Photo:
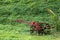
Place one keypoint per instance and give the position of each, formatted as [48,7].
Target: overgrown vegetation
[30,10]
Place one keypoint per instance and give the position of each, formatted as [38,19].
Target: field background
[30,10]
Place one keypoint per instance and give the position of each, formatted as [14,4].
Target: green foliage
[31,10]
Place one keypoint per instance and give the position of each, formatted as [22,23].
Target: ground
[9,32]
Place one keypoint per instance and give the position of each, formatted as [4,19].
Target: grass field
[10,32]
[30,10]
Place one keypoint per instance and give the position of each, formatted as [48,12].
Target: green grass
[31,10]
[10,32]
